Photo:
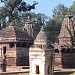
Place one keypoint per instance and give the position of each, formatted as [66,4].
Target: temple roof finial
[11,23]
[28,17]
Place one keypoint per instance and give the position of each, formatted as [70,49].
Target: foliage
[10,11]
[54,24]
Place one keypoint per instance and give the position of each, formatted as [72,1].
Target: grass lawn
[65,73]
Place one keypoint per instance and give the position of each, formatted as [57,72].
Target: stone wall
[9,52]
[65,59]
[22,58]
[11,61]
[57,62]
[15,56]
[68,60]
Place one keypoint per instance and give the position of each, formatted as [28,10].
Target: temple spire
[28,26]
[41,37]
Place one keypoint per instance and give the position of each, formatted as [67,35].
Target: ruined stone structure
[14,44]
[65,50]
[41,55]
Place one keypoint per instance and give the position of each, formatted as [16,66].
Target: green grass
[65,73]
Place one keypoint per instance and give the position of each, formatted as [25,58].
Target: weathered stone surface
[13,33]
[22,57]
[67,30]
[68,60]
[29,27]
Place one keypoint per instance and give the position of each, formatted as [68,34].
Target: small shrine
[41,56]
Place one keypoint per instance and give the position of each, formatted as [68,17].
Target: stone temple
[65,49]
[14,43]
[19,48]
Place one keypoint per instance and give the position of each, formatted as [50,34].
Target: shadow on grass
[64,73]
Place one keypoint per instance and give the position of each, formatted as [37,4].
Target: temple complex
[19,48]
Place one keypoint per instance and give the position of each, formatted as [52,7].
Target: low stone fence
[17,68]
[15,73]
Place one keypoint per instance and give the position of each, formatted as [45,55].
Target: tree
[59,12]
[54,24]
[38,21]
[52,30]
[72,8]
[2,17]
[11,11]
[9,6]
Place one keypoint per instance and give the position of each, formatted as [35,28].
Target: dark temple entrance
[37,69]
[4,50]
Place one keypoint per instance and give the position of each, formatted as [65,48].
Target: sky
[46,6]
